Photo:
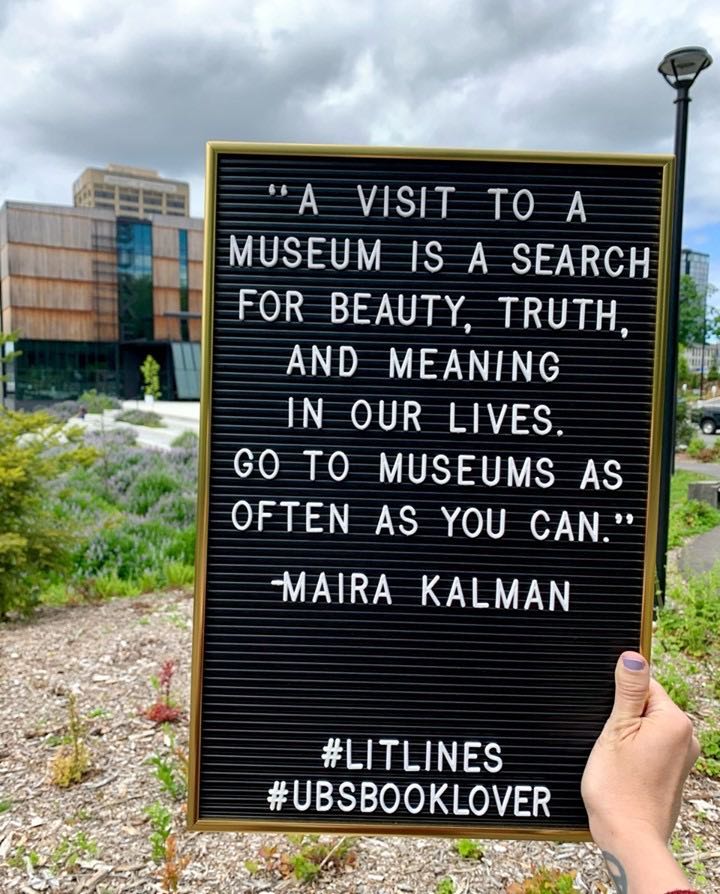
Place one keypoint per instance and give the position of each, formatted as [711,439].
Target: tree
[150,370]
[35,450]
[691,327]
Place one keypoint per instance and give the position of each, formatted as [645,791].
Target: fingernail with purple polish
[634,664]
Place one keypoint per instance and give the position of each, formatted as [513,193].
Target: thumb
[632,685]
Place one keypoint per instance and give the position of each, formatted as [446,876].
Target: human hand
[632,785]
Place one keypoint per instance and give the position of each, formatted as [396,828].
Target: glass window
[183,266]
[63,370]
[135,288]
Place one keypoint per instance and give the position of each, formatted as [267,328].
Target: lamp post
[680,68]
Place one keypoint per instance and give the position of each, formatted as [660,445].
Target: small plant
[674,681]
[171,771]
[469,849]
[544,881]
[163,710]
[72,761]
[173,865]
[310,857]
[690,622]
[160,824]
[5,805]
[70,850]
[150,370]
[141,417]
[709,763]
[178,575]
[22,858]
[445,886]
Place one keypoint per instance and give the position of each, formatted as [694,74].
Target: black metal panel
[282,678]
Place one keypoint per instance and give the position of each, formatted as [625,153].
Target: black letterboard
[428,489]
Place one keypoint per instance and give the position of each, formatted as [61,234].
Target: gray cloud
[148,84]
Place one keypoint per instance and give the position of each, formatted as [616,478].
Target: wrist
[640,862]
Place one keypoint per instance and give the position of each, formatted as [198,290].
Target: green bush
[128,547]
[64,410]
[96,402]
[35,450]
[684,429]
[141,417]
[688,518]
[186,440]
[147,489]
[695,446]
[690,621]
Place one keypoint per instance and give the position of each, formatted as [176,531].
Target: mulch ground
[95,836]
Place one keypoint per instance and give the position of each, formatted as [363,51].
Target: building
[92,293]
[699,359]
[696,265]
[131,192]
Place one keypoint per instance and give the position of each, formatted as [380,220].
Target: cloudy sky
[148,83]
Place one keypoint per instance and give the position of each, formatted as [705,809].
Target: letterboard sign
[428,482]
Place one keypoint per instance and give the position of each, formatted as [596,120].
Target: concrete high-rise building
[131,192]
[92,293]
[696,265]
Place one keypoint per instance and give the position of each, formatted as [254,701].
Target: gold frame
[214,149]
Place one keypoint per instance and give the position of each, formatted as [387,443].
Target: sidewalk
[710,470]
[702,553]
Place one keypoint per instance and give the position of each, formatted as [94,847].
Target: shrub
[684,429]
[695,446]
[690,621]
[147,489]
[141,417]
[64,410]
[187,440]
[96,402]
[35,450]
[690,517]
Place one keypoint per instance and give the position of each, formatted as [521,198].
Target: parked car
[707,417]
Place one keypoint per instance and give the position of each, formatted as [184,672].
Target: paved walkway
[177,417]
[711,470]
[702,553]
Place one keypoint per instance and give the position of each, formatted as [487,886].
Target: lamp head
[681,67]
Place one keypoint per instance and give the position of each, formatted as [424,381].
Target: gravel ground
[95,836]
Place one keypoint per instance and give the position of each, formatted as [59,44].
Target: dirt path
[95,836]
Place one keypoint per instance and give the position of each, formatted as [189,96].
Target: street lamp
[680,68]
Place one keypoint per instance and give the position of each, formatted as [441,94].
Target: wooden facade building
[91,294]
